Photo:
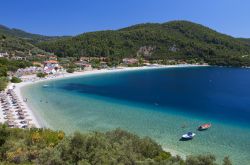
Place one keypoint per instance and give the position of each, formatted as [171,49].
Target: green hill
[32,38]
[18,46]
[245,39]
[15,41]
[175,40]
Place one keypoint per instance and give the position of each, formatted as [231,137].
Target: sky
[72,17]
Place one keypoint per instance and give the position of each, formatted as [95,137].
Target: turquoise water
[147,103]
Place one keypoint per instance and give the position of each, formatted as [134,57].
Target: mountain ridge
[30,37]
[174,40]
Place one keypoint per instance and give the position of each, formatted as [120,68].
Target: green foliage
[4,134]
[13,65]
[70,70]
[226,161]
[3,71]
[44,146]
[201,160]
[3,83]
[41,75]
[10,65]
[33,38]
[18,42]
[15,80]
[176,40]
[95,63]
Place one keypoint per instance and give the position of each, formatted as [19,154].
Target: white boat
[45,86]
[188,135]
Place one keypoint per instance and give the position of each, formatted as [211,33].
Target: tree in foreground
[15,80]
[44,146]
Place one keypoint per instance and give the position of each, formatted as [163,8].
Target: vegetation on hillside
[15,80]
[10,65]
[176,40]
[33,38]
[18,42]
[3,83]
[17,46]
[41,75]
[43,146]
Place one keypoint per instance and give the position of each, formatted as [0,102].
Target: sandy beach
[31,79]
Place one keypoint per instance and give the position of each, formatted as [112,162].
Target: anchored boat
[188,136]
[204,127]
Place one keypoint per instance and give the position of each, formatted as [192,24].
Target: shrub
[226,161]
[15,80]
[201,160]
[3,83]
[41,75]
[44,146]
[70,70]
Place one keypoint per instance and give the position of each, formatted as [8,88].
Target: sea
[161,103]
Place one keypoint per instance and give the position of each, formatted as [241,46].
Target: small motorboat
[204,127]
[188,136]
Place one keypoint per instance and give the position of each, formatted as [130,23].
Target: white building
[4,54]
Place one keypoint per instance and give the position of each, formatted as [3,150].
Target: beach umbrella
[9,113]
[20,113]
[28,120]
[10,118]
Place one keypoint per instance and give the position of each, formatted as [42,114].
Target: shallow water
[160,103]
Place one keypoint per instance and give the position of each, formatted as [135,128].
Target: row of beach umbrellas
[11,107]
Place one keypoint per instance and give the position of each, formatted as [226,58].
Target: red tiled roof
[51,61]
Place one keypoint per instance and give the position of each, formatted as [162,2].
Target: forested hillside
[32,38]
[175,40]
[168,41]
[14,45]
[18,42]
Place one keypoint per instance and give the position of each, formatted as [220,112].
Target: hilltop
[32,38]
[175,40]
[170,41]
[18,42]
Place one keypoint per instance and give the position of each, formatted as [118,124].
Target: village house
[130,61]
[37,64]
[84,65]
[18,58]
[103,65]
[41,56]
[4,54]
[88,59]
[28,71]
[52,57]
[51,66]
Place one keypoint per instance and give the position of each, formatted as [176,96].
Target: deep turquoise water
[155,103]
